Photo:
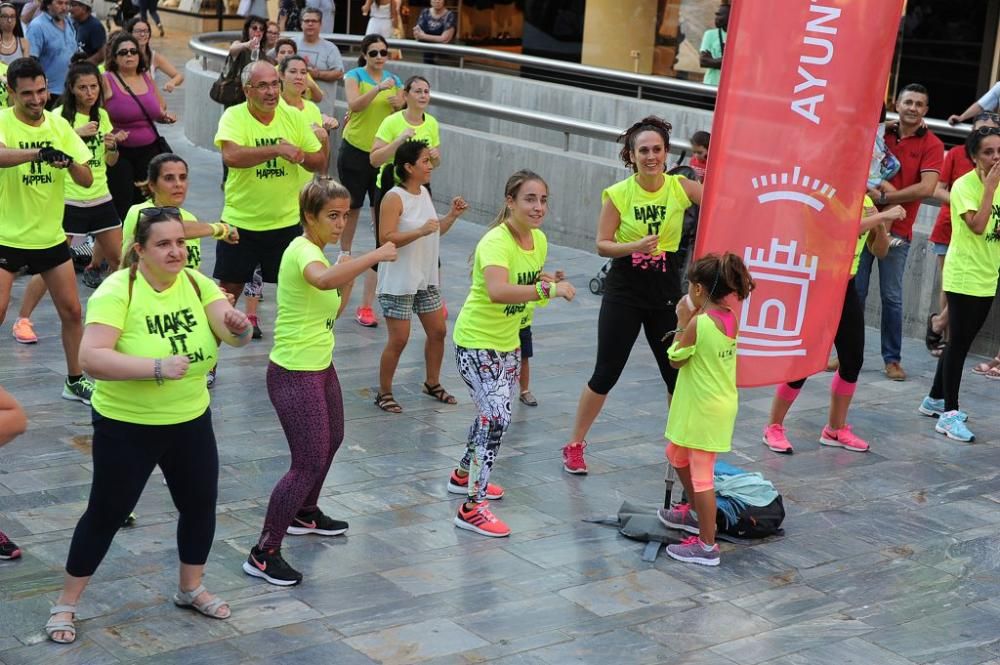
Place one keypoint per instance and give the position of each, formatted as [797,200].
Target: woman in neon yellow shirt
[969,279]
[372,94]
[150,338]
[703,411]
[301,380]
[639,230]
[506,276]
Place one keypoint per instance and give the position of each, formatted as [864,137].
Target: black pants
[132,167]
[618,327]
[966,315]
[850,338]
[124,457]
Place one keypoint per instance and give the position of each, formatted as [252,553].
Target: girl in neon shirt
[151,335]
[506,276]
[703,411]
[640,230]
[301,380]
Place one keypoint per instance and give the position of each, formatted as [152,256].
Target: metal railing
[676,90]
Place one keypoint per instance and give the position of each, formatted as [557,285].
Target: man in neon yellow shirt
[263,144]
[37,151]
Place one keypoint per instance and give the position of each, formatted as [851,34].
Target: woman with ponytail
[703,412]
[410,284]
[506,276]
[639,230]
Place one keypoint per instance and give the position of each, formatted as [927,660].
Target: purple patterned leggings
[311,410]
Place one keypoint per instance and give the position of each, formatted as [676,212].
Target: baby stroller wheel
[596,286]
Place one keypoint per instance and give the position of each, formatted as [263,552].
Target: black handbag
[161,143]
[228,88]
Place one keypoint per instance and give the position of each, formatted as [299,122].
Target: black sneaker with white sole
[316,522]
[270,566]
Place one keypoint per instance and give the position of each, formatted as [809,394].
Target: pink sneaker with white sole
[775,439]
[843,438]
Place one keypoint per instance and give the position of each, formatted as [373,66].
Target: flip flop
[932,340]
[983,369]
[993,374]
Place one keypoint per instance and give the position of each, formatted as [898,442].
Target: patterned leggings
[311,410]
[255,287]
[492,378]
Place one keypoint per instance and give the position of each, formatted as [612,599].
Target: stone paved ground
[889,559]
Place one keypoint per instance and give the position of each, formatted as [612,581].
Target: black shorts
[235,263]
[78,221]
[527,348]
[37,261]
[357,174]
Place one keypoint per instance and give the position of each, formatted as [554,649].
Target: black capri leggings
[132,167]
[617,329]
[124,457]
[850,339]
[966,315]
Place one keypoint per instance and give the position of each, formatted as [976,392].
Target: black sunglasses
[382,52]
[168,211]
[988,131]
[127,51]
[986,115]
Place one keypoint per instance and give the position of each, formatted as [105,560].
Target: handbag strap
[141,107]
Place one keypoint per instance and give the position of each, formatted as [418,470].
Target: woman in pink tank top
[134,103]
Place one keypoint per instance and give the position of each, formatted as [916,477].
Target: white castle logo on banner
[793,187]
[771,320]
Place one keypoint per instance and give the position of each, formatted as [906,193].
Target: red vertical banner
[802,85]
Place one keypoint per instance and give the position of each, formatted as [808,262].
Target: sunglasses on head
[988,131]
[378,52]
[986,115]
[168,211]
[127,51]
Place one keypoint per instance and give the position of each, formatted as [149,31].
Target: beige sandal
[985,368]
[186,599]
[53,625]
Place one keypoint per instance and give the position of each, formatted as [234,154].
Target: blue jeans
[890,280]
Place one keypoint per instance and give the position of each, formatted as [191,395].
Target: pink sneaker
[843,438]
[775,439]
[573,461]
[460,485]
[366,317]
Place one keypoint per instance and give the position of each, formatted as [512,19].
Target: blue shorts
[939,248]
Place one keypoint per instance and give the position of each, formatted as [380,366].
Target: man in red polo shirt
[920,155]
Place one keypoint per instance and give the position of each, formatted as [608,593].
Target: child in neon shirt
[703,411]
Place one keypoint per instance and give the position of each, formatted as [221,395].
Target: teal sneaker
[953,426]
[935,407]
[81,391]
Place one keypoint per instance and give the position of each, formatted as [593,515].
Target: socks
[73,378]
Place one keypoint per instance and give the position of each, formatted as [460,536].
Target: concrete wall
[480,153]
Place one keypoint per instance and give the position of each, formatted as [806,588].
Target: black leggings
[850,339]
[966,315]
[132,167]
[617,329]
[124,457]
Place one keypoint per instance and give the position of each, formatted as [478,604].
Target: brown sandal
[439,393]
[387,403]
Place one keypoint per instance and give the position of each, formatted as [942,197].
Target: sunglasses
[987,131]
[168,211]
[986,115]
[378,52]
[127,51]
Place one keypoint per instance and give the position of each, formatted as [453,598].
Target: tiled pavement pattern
[890,558]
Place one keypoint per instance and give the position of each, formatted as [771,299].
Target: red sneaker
[573,461]
[481,520]
[460,485]
[366,317]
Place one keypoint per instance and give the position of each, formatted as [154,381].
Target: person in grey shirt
[323,58]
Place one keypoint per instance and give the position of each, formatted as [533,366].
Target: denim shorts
[939,248]
[403,307]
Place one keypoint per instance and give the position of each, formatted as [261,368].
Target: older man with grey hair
[264,144]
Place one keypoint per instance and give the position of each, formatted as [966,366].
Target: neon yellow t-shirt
[128,233]
[303,332]
[862,239]
[971,265]
[703,409]
[482,323]
[32,194]
[646,213]
[3,85]
[95,143]
[266,196]
[362,125]
[396,124]
[156,325]
[312,115]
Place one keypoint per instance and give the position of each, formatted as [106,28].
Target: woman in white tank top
[382,16]
[410,284]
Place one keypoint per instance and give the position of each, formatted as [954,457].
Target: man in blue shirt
[53,42]
[90,34]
